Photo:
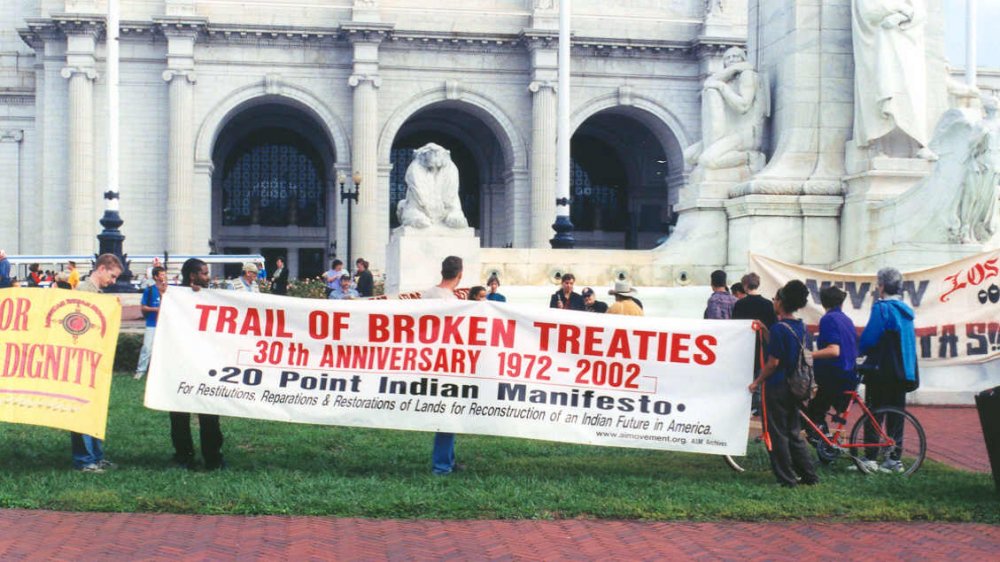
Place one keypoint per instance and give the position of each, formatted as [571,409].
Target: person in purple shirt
[720,303]
[834,361]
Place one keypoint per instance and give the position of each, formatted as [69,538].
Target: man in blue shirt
[150,305]
[834,362]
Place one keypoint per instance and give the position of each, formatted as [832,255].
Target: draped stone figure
[890,75]
[431,191]
[977,208]
[958,202]
[735,103]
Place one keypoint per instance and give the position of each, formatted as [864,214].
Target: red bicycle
[887,440]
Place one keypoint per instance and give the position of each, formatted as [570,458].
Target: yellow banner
[57,349]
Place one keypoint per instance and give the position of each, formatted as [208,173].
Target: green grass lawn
[279,468]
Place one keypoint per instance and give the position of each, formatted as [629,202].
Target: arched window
[273,178]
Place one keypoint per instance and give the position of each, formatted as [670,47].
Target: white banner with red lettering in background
[956,305]
[456,366]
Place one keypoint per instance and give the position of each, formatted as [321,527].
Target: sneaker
[869,466]
[138,376]
[106,465]
[92,467]
[892,466]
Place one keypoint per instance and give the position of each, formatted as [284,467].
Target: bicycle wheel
[756,458]
[904,457]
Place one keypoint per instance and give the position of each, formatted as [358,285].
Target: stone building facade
[238,118]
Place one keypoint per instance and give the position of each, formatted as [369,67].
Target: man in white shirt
[248,281]
[443,457]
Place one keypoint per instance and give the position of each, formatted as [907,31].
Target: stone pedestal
[883,179]
[698,244]
[415,256]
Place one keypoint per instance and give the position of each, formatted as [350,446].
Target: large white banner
[456,366]
[956,305]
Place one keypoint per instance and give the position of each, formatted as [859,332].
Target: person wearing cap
[248,281]
[720,303]
[5,280]
[565,298]
[624,303]
[493,284]
[590,302]
[344,289]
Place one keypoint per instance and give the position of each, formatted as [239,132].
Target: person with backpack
[781,377]
[890,345]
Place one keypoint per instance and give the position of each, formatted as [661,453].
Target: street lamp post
[349,195]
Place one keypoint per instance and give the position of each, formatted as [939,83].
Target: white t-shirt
[436,292]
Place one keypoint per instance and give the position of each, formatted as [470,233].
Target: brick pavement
[954,436]
[45,535]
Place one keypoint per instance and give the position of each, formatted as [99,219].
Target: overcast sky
[987,33]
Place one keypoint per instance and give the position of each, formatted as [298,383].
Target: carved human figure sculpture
[735,103]
[431,191]
[977,208]
[890,73]
[957,202]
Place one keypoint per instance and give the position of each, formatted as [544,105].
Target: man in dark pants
[279,278]
[194,274]
[889,313]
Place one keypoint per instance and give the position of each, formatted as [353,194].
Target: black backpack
[800,380]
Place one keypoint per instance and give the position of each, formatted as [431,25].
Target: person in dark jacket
[279,278]
[365,284]
[590,302]
[790,459]
[565,298]
[889,313]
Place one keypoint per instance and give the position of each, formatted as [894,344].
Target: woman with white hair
[890,343]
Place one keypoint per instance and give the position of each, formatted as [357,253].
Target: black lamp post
[349,195]
[111,241]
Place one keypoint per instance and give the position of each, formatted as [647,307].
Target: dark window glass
[273,179]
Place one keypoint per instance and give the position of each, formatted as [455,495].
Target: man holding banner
[88,451]
[443,456]
[195,275]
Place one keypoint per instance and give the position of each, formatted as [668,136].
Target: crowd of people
[782,340]
[835,362]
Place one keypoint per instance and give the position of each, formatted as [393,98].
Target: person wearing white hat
[248,281]
[624,303]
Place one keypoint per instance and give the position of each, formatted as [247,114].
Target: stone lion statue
[431,191]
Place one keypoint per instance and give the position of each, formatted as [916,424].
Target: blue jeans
[443,456]
[86,449]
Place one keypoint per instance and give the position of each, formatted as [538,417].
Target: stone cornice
[47,29]
[17,97]
[706,46]
[180,26]
[79,24]
[366,32]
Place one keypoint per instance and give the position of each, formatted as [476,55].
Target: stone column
[10,190]
[366,239]
[541,41]
[81,196]
[182,28]
[180,161]
[543,162]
